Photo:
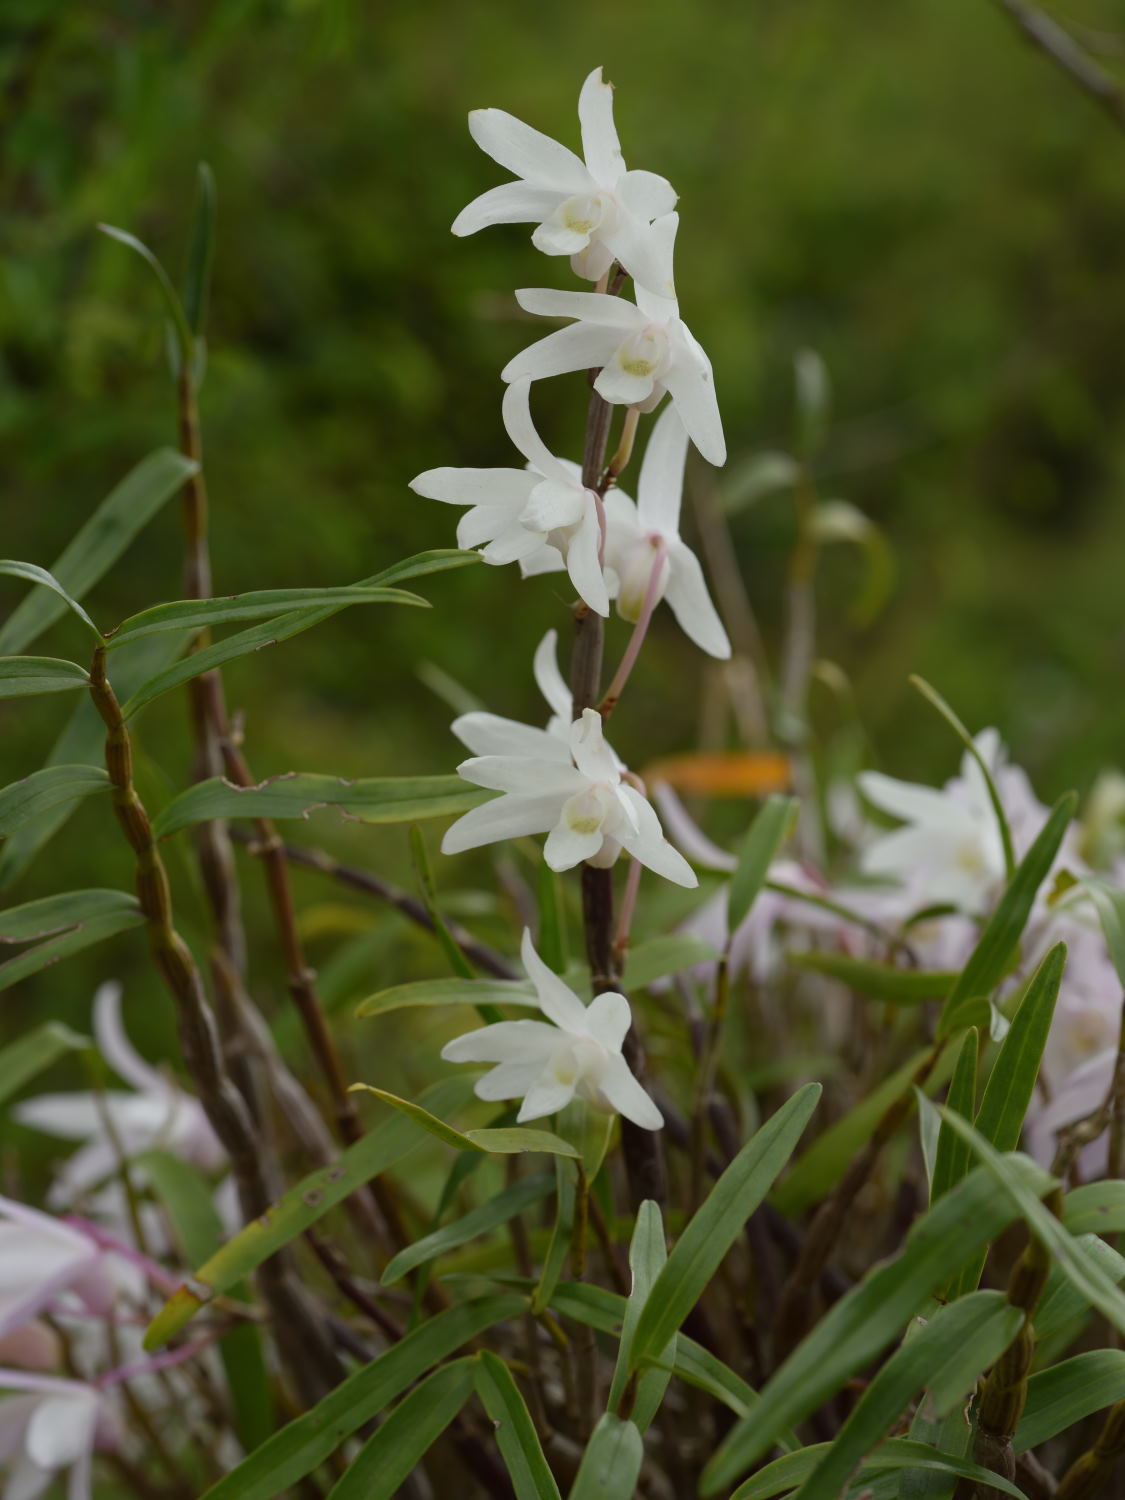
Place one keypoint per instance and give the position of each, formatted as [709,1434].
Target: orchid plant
[206,1297]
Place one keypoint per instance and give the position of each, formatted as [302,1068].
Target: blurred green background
[907,188]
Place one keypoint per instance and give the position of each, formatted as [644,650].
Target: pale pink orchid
[575,1052]
[157,1113]
[50,1427]
[47,1264]
[594,210]
[574,792]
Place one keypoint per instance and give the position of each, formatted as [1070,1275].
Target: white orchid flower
[594,210]
[43,1259]
[641,351]
[52,1426]
[515,513]
[575,794]
[576,1051]
[492,734]
[643,546]
[158,1113]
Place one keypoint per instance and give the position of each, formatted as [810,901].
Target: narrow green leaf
[1066,1394]
[24,676]
[895,1454]
[759,848]
[1080,1269]
[661,956]
[506,1141]
[931,694]
[425,993]
[53,786]
[188,1198]
[294,1212]
[562,1233]
[377,799]
[407,1435]
[304,1444]
[874,1313]
[515,1432]
[884,982]
[953,1155]
[648,1255]
[1000,938]
[34,574]
[611,1463]
[22,1060]
[524,1192]
[717,1224]
[946,1353]
[1062,1307]
[197,280]
[200,614]
[51,914]
[1096,1208]
[172,305]
[1011,1083]
[99,542]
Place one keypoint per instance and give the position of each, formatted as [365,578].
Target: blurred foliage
[908,189]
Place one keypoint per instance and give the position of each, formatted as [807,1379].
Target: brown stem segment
[299,1331]
[1088,1477]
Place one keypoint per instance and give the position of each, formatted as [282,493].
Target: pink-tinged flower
[594,210]
[576,1051]
[646,535]
[515,514]
[1078,1095]
[575,793]
[157,1114]
[51,1427]
[43,1260]
[641,351]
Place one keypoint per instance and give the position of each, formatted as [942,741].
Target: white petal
[692,387]
[26,1480]
[661,484]
[507,817]
[655,294]
[71,1117]
[687,834]
[508,1080]
[906,799]
[80,1485]
[644,255]
[516,773]
[608,1019]
[489,734]
[625,1094]
[545,560]
[516,411]
[527,152]
[584,346]
[555,238]
[646,195]
[505,1042]
[600,144]
[87,1167]
[592,755]
[619,387]
[567,847]
[687,597]
[115,1046]
[548,678]
[555,505]
[15,1413]
[545,1098]
[583,565]
[510,203]
[483,523]
[590,307]
[61,1427]
[649,844]
[474,486]
[558,1002]
[513,544]
[592,263]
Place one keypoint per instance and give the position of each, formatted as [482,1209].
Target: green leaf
[54,786]
[1067,1393]
[1011,1083]
[814,401]
[515,1432]
[301,1446]
[293,1213]
[507,1141]
[200,614]
[648,1254]
[947,1354]
[188,1198]
[100,541]
[437,560]
[931,694]
[953,1155]
[1096,1208]
[391,1454]
[438,992]
[871,1315]
[759,848]
[717,1224]
[895,1454]
[24,676]
[524,1192]
[1109,903]
[1000,939]
[22,1060]
[562,1234]
[247,641]
[197,280]
[377,799]
[1080,1269]
[611,1463]
[1061,1308]
[885,982]
[68,924]
[661,956]
[34,574]
[172,305]
[43,955]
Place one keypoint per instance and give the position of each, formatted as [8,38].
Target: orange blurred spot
[743,773]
